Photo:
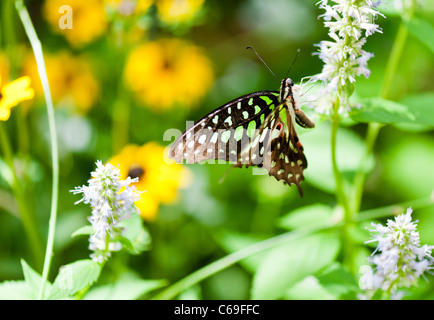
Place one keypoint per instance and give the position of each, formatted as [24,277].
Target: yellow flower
[4,67]
[128,7]
[167,72]
[70,78]
[88,19]
[13,93]
[159,179]
[178,11]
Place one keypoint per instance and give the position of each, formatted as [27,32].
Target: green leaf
[316,214]
[127,287]
[136,238]
[231,242]
[287,264]
[422,30]
[15,290]
[85,230]
[34,280]
[67,223]
[382,111]
[309,289]
[338,281]
[421,106]
[74,277]
[350,150]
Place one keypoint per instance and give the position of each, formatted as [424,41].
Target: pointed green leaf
[308,289]
[338,281]
[231,242]
[382,111]
[85,230]
[422,30]
[34,280]
[421,106]
[128,287]
[74,277]
[316,214]
[15,290]
[136,238]
[288,264]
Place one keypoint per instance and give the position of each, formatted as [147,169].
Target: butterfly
[256,129]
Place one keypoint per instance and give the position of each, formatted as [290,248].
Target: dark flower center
[136,172]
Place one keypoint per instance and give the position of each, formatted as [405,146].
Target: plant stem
[374,128]
[26,215]
[231,259]
[121,105]
[340,192]
[348,247]
[360,176]
[395,209]
[37,50]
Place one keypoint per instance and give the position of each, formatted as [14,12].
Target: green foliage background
[213,218]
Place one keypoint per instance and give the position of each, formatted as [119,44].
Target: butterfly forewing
[276,147]
[223,133]
[257,129]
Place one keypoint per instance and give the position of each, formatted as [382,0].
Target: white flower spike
[349,22]
[401,259]
[112,200]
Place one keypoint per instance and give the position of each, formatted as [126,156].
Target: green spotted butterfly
[257,129]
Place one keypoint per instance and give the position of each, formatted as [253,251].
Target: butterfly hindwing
[222,133]
[276,147]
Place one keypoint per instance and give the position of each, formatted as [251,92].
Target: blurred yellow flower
[167,72]
[71,79]
[13,93]
[88,19]
[128,7]
[178,11]
[159,179]
[4,67]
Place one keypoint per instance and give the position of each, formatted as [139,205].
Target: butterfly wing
[222,133]
[277,148]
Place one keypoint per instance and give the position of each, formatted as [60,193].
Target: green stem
[37,50]
[227,261]
[360,176]
[340,192]
[348,247]
[26,215]
[395,209]
[374,128]
[121,106]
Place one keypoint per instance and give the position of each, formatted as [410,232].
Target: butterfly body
[257,129]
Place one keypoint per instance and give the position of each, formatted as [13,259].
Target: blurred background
[127,72]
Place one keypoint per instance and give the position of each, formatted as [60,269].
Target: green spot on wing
[266,99]
[251,128]
[238,134]
[225,136]
[257,109]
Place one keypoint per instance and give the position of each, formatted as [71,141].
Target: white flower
[112,200]
[401,259]
[350,22]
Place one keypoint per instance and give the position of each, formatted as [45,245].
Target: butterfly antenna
[248,47]
[293,62]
